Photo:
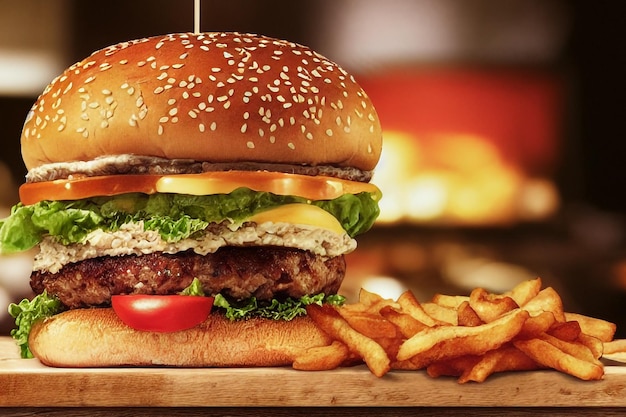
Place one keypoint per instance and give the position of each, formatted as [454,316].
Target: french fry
[369,324]
[443,314]
[525,291]
[322,358]
[409,304]
[550,356]
[592,326]
[546,300]
[568,331]
[594,344]
[469,338]
[578,350]
[614,346]
[452,341]
[449,301]
[537,325]
[329,320]
[466,316]
[489,307]
[452,367]
[405,323]
[505,358]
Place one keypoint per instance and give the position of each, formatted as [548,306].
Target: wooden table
[29,388]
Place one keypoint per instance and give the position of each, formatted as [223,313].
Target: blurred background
[503,126]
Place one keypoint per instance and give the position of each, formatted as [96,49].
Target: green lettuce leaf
[174,216]
[194,289]
[287,309]
[28,312]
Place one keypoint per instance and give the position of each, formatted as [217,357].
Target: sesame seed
[213,126]
[329,132]
[250,145]
[244,127]
[290,145]
[164,119]
[201,127]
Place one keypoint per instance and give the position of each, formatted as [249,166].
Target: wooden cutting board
[28,383]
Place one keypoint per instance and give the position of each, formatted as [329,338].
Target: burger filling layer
[134,239]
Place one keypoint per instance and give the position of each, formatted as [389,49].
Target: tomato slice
[311,187]
[161,313]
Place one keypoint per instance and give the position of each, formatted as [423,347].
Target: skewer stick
[196,16]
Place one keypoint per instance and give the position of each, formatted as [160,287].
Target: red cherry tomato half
[161,313]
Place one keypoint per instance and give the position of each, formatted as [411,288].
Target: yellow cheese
[311,187]
[300,214]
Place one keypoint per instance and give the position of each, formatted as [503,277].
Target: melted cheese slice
[305,214]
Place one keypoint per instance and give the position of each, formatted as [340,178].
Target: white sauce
[132,239]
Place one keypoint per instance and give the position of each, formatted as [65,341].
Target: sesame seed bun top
[219,97]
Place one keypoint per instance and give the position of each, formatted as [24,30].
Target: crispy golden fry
[505,358]
[453,341]
[594,344]
[615,346]
[371,325]
[467,337]
[568,331]
[578,350]
[449,301]
[592,326]
[537,325]
[466,316]
[322,358]
[452,367]
[442,314]
[329,320]
[369,301]
[376,327]
[546,300]
[550,356]
[490,307]
[405,323]
[409,304]
[525,291]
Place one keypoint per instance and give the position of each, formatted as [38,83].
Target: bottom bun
[98,338]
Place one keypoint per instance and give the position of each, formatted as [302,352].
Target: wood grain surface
[25,384]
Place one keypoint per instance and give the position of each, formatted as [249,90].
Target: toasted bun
[218,97]
[97,338]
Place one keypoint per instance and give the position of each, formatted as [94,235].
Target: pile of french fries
[468,337]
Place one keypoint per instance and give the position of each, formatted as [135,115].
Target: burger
[189,195]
